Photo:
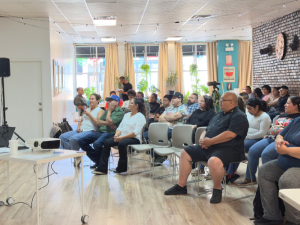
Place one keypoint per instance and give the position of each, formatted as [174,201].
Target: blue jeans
[264,149]
[97,139]
[70,139]
[233,166]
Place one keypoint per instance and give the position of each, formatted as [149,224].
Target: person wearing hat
[174,116]
[279,107]
[106,99]
[108,122]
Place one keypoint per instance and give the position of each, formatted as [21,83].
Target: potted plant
[118,83]
[171,81]
[143,84]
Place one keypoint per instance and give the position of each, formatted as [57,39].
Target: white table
[38,157]
[291,196]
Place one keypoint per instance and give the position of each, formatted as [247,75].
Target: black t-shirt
[126,87]
[281,102]
[201,118]
[153,106]
[160,110]
[235,121]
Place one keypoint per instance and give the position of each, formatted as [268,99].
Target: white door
[23,98]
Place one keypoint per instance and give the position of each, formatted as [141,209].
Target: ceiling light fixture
[240,14]
[175,38]
[108,39]
[284,5]
[105,21]
[203,17]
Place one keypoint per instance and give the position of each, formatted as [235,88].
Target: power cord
[48,176]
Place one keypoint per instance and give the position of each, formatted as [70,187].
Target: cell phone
[84,108]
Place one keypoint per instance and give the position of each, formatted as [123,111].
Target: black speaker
[4,67]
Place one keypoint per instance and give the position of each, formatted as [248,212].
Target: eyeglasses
[221,99]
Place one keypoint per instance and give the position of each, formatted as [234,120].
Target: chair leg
[251,178]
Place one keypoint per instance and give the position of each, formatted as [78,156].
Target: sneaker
[159,160]
[176,190]
[92,167]
[117,171]
[246,182]
[77,161]
[263,221]
[216,196]
[97,172]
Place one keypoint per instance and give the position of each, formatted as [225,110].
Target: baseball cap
[178,95]
[284,87]
[113,97]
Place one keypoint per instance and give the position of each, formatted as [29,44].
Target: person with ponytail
[259,124]
[128,133]
[265,148]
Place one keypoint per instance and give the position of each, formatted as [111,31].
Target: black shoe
[98,172]
[159,160]
[92,167]
[176,190]
[263,221]
[216,196]
[234,178]
[118,171]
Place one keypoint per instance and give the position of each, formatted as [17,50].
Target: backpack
[55,131]
[258,209]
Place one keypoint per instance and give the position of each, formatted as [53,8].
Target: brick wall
[268,69]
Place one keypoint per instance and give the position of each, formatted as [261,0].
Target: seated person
[265,148]
[128,133]
[266,90]
[273,99]
[110,94]
[249,92]
[166,103]
[279,106]
[108,123]
[258,93]
[221,144]
[241,104]
[140,95]
[174,116]
[192,103]
[284,171]
[86,126]
[131,94]
[201,117]
[259,124]
[244,96]
[154,105]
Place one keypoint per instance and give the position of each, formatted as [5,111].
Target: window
[146,55]
[194,54]
[90,67]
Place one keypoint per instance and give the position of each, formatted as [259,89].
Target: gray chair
[181,137]
[158,138]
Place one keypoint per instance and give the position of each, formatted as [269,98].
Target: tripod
[4,112]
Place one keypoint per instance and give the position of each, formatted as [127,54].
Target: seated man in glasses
[221,144]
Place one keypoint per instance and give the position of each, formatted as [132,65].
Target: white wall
[21,42]
[62,50]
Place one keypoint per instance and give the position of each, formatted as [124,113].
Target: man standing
[126,86]
[79,101]
[192,103]
[108,123]
[279,107]
[249,92]
[221,144]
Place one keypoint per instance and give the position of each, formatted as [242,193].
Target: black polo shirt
[235,121]
[126,87]
[281,102]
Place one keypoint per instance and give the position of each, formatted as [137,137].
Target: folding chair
[182,137]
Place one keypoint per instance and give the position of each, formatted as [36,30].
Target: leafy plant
[172,79]
[89,91]
[216,98]
[186,98]
[196,87]
[118,83]
[153,89]
[143,84]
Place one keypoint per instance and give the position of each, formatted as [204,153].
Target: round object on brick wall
[280,46]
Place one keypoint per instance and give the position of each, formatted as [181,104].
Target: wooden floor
[116,199]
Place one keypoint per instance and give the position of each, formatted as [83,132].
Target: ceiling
[140,21]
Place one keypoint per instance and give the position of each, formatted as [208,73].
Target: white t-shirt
[87,124]
[132,124]
[258,126]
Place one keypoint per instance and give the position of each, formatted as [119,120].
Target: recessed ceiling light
[108,39]
[105,21]
[203,17]
[175,38]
